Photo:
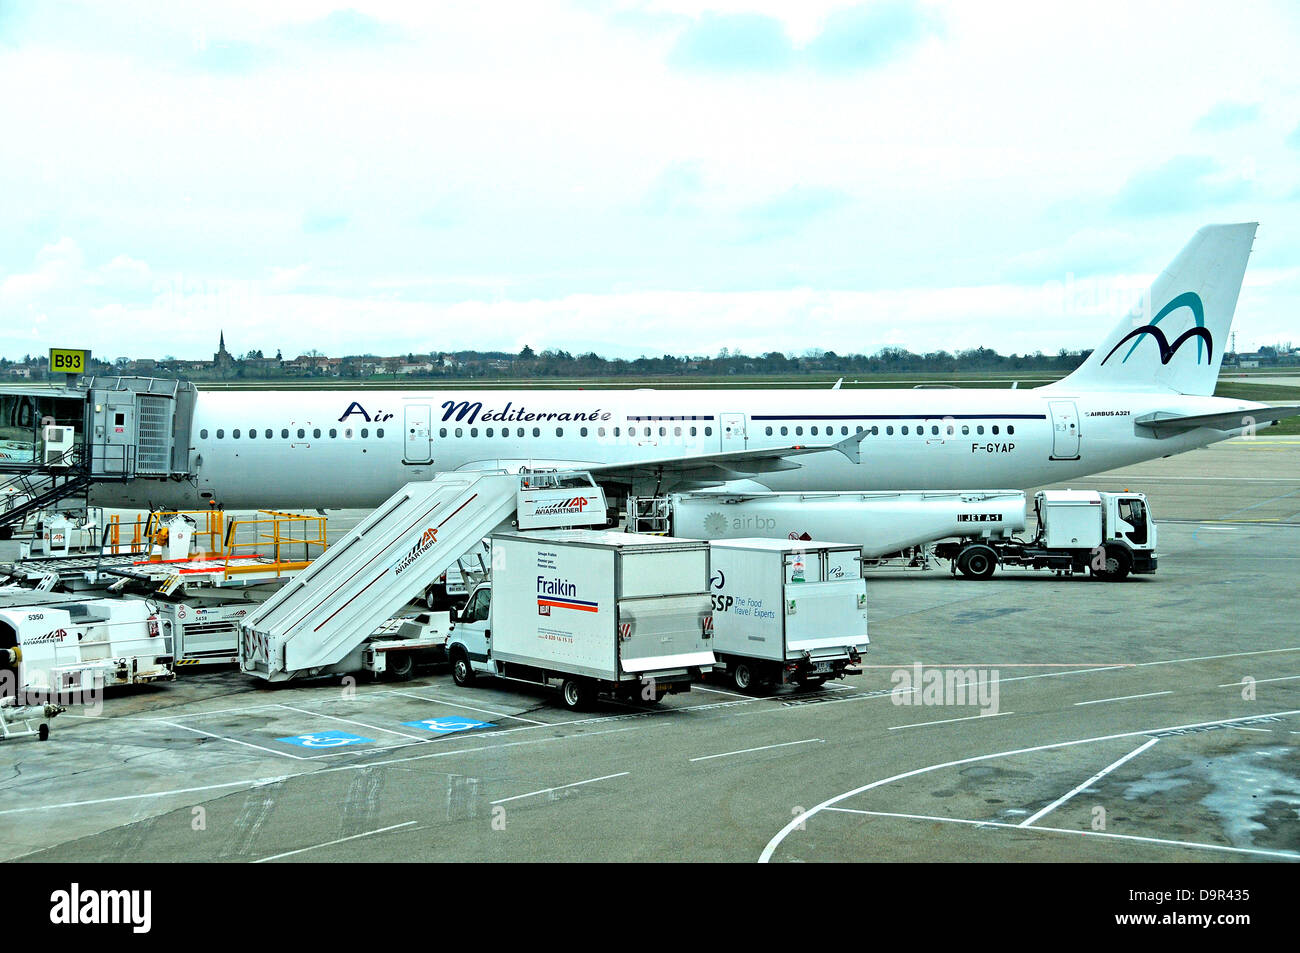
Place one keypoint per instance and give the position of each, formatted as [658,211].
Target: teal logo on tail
[1187,299]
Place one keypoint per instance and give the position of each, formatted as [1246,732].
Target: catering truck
[1106,534]
[590,611]
[786,612]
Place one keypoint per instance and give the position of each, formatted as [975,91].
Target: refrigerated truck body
[787,611]
[592,611]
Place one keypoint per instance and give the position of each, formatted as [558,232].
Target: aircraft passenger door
[1065,430]
[732,430]
[419,444]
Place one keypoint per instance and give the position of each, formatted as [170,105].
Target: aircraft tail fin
[1174,340]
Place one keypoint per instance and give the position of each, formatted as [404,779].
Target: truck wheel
[576,694]
[977,562]
[43,732]
[462,673]
[742,677]
[1118,565]
[401,668]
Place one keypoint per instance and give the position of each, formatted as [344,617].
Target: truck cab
[472,634]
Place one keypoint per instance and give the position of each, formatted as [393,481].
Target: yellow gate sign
[68,361]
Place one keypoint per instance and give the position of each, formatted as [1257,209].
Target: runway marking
[948,721]
[717,691]
[1027,822]
[331,843]
[1065,830]
[255,782]
[1122,698]
[797,821]
[247,744]
[486,711]
[561,787]
[1244,728]
[1259,681]
[1253,506]
[784,744]
[349,721]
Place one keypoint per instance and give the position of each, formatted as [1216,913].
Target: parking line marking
[1065,830]
[769,849]
[561,787]
[247,744]
[1122,698]
[330,843]
[784,744]
[948,721]
[1089,783]
[1260,681]
[349,721]
[486,711]
[716,691]
[255,782]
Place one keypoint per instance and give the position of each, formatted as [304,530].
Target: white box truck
[594,612]
[787,612]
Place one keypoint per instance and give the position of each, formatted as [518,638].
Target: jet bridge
[320,621]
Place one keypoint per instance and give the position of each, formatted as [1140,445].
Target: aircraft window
[284,434]
[442,431]
[348,433]
[677,431]
[769,431]
[203,434]
[813,431]
[235,434]
[934,430]
[252,434]
[473,431]
[979,429]
[333,433]
[269,433]
[220,434]
[316,433]
[995,428]
[490,431]
[616,431]
[537,431]
[519,432]
[694,431]
[889,431]
[301,433]
[904,431]
[583,431]
[559,431]
[965,429]
[379,432]
[784,431]
[365,432]
[844,431]
[1010,429]
[663,431]
[708,431]
[798,431]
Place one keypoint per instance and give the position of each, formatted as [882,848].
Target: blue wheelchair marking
[326,739]
[445,726]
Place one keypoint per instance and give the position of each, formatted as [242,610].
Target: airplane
[1145,392]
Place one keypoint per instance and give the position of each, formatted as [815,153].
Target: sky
[632,176]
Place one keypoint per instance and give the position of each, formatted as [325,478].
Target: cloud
[1228,115]
[227,56]
[676,189]
[1182,184]
[346,28]
[324,220]
[1293,140]
[869,36]
[790,211]
[734,42]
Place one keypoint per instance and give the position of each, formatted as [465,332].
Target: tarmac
[1155,719]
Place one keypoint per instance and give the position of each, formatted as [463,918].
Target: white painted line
[1207,658]
[717,691]
[255,782]
[331,843]
[1122,698]
[1267,731]
[784,744]
[349,721]
[1260,681]
[561,787]
[485,711]
[1089,783]
[1063,830]
[246,744]
[949,721]
[794,823]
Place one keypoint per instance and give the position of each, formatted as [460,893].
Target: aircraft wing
[1166,424]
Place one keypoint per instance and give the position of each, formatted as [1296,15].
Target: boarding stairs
[321,618]
[26,493]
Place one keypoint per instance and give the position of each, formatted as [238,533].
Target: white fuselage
[331,449]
